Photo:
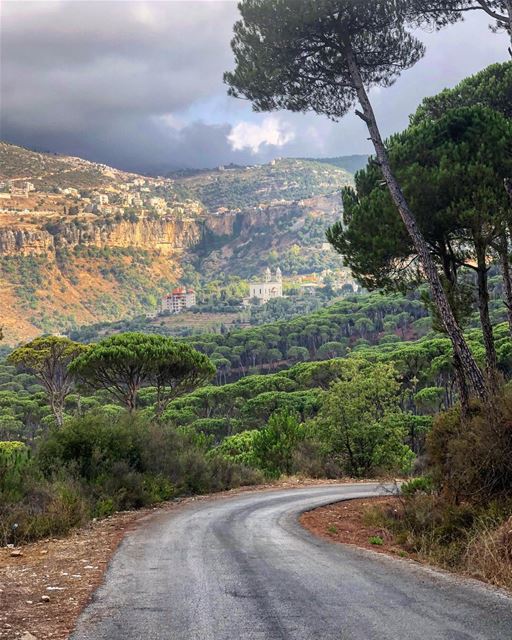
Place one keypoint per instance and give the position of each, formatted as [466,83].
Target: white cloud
[173,122]
[249,135]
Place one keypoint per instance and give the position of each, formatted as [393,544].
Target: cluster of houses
[16,188]
[133,194]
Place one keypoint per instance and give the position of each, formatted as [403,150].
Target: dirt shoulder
[345,522]
[350,522]
[45,585]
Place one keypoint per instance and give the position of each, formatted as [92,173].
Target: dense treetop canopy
[124,363]
[491,87]
[452,172]
[291,54]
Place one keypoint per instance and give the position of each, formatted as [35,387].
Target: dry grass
[489,554]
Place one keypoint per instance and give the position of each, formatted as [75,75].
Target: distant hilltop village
[144,197]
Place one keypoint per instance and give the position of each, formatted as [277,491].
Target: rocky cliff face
[247,221]
[242,243]
[25,242]
[57,273]
[166,236]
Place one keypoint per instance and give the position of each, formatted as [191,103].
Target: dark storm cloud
[98,78]
[139,85]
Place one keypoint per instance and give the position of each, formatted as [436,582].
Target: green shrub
[471,459]
[275,444]
[14,460]
[45,509]
[104,507]
[417,485]
[128,461]
[239,448]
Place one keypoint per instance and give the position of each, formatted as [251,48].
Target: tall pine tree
[324,55]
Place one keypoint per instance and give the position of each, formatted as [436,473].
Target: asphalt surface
[243,568]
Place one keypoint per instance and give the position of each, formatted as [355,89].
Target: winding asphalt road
[242,568]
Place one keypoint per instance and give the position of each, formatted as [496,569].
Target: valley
[82,243]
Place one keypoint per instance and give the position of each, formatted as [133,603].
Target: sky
[138,85]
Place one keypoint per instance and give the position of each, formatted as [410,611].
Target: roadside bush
[238,448]
[275,444]
[133,461]
[422,484]
[471,459]
[14,460]
[226,474]
[488,555]
[309,460]
[45,509]
[459,516]
[91,445]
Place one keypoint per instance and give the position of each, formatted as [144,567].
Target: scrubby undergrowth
[96,465]
[460,515]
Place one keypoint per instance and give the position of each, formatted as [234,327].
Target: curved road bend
[242,568]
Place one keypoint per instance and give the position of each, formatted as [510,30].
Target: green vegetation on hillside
[241,187]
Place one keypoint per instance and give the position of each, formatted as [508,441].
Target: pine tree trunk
[454,332]
[509,12]
[451,275]
[130,399]
[483,309]
[57,410]
[507,281]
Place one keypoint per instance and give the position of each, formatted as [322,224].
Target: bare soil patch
[43,589]
[345,522]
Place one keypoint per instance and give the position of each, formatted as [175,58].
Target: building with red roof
[180,299]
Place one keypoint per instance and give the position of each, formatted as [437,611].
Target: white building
[178,300]
[70,191]
[100,198]
[21,192]
[267,289]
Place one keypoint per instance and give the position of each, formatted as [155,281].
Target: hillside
[48,171]
[82,243]
[282,179]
